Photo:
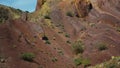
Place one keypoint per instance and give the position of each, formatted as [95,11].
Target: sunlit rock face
[39,4]
[83,7]
[110,7]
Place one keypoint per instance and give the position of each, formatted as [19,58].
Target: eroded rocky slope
[51,31]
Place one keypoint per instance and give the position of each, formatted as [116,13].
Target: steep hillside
[61,34]
[9,13]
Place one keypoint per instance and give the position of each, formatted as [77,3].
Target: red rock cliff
[39,4]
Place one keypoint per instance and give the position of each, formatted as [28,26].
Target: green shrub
[54,59]
[83,61]
[102,46]
[78,47]
[92,24]
[60,32]
[60,52]
[86,62]
[19,10]
[111,66]
[68,42]
[118,29]
[47,42]
[70,14]
[112,63]
[67,35]
[28,56]
[78,61]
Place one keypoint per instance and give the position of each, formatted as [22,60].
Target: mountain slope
[54,28]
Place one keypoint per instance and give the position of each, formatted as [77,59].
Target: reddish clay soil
[99,26]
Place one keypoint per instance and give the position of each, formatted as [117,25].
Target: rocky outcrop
[109,7]
[83,7]
[39,4]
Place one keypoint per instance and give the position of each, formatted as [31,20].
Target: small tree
[78,47]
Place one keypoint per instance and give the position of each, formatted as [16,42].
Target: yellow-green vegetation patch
[78,47]
[54,59]
[45,10]
[48,22]
[82,61]
[9,13]
[4,14]
[113,63]
[16,13]
[118,29]
[44,13]
[70,14]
